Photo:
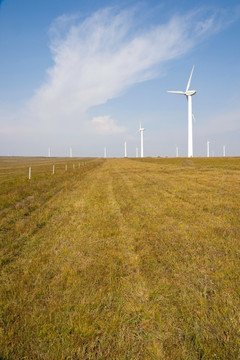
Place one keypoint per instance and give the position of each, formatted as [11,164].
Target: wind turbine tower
[49,152]
[188,93]
[224,150]
[105,152]
[176,151]
[70,152]
[125,149]
[141,130]
[208,148]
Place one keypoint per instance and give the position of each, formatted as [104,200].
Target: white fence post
[29,173]
[53,169]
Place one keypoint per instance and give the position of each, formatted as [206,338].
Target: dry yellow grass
[122,259]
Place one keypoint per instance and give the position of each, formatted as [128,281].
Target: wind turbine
[224,150]
[188,93]
[176,151]
[70,152]
[125,149]
[141,130]
[49,152]
[105,152]
[208,143]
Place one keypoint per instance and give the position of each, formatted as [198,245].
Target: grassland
[120,259]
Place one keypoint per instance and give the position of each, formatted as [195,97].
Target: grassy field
[120,259]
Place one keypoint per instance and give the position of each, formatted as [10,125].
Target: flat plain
[120,259]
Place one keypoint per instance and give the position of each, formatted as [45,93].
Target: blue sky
[85,73]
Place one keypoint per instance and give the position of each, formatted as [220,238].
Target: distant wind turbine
[224,150]
[105,152]
[176,151]
[49,152]
[125,149]
[70,152]
[208,148]
[141,130]
[188,93]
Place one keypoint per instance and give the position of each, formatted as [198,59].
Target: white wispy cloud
[106,125]
[98,58]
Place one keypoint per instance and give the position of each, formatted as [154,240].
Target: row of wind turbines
[141,129]
[188,93]
[177,149]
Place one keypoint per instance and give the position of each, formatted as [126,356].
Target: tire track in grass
[128,203]
[141,314]
[127,246]
[126,288]
[76,284]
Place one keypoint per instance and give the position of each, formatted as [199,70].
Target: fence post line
[29,173]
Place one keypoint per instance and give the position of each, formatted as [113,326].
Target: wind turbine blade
[194,117]
[189,81]
[177,92]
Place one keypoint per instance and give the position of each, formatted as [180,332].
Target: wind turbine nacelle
[190,92]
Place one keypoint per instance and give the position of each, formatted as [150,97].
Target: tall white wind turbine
[105,152]
[141,130]
[188,93]
[49,152]
[70,152]
[125,149]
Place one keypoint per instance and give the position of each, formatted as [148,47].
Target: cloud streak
[105,125]
[100,57]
